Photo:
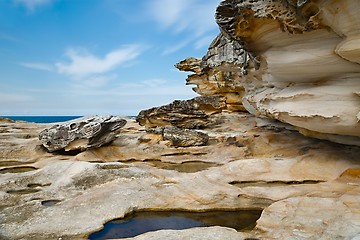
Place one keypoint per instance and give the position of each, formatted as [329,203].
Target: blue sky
[81,57]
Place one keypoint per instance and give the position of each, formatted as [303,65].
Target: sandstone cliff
[293,61]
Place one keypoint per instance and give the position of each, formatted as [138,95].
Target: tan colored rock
[294,61]
[209,233]
[298,64]
[213,82]
[185,137]
[5,120]
[245,166]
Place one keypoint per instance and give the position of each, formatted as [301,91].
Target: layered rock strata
[308,188]
[293,61]
[214,82]
[195,113]
[81,133]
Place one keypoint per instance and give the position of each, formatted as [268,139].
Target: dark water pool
[141,222]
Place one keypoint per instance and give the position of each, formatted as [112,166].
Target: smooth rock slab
[82,133]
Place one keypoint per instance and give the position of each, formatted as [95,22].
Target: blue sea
[43,119]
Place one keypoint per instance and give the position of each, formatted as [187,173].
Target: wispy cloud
[196,16]
[83,63]
[32,5]
[193,17]
[93,82]
[154,82]
[176,47]
[37,66]
[86,70]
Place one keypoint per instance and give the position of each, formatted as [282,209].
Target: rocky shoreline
[276,129]
[307,188]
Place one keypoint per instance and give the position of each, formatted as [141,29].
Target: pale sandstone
[293,61]
[297,62]
[246,166]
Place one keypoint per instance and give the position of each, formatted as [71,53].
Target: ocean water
[43,119]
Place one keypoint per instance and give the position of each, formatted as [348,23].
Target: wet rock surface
[81,133]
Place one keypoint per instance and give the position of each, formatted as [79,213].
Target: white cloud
[176,47]
[37,66]
[31,5]
[192,17]
[83,63]
[168,12]
[196,16]
[93,82]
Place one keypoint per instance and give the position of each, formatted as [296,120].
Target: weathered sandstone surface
[278,67]
[81,133]
[198,112]
[294,61]
[308,188]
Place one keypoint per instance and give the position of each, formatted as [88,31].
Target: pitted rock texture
[214,82]
[185,137]
[293,61]
[195,113]
[81,133]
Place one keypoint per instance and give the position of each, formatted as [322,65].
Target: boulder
[81,133]
[193,114]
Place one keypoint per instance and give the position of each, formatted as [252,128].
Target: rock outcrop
[214,82]
[196,113]
[296,61]
[178,137]
[81,133]
[184,137]
[307,188]
[293,61]
[6,120]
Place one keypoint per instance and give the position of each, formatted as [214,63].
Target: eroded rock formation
[288,60]
[185,137]
[81,133]
[301,183]
[294,61]
[198,112]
